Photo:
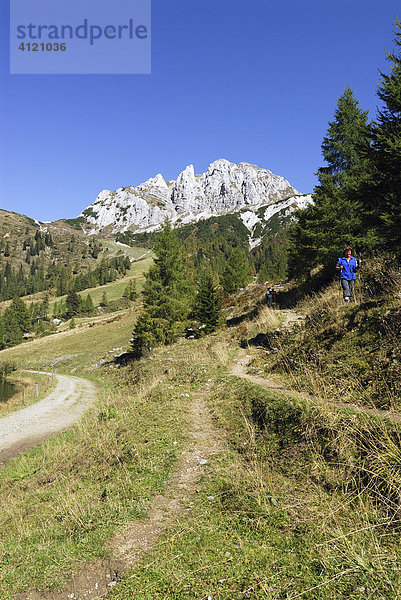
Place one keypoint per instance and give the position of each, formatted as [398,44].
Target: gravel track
[29,426]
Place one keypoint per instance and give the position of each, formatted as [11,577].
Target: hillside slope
[351,352]
[295,498]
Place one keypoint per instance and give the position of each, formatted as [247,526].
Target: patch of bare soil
[290,317]
[96,580]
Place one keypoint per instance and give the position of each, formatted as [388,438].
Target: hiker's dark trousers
[348,286]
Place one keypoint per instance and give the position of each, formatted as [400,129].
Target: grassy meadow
[300,501]
[77,350]
[115,289]
[61,510]
[273,516]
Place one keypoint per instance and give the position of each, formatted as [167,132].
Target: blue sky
[245,80]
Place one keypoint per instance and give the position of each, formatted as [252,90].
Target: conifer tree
[59,309]
[207,307]
[130,292]
[338,215]
[34,313]
[63,278]
[44,307]
[88,305]
[73,304]
[56,310]
[12,332]
[237,272]
[2,342]
[271,257]
[19,309]
[167,295]
[104,302]
[385,185]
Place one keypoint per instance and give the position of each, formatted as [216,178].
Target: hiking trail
[240,364]
[239,369]
[128,546]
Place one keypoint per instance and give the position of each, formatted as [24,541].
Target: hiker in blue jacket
[347,267]
[269,297]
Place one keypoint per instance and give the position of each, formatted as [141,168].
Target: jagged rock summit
[224,188]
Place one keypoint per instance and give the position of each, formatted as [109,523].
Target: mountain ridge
[224,188]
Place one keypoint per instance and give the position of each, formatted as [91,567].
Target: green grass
[262,525]
[115,289]
[61,502]
[78,350]
[302,500]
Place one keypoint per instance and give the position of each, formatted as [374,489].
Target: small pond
[7,390]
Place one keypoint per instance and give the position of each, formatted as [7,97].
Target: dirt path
[24,429]
[290,317]
[239,367]
[96,580]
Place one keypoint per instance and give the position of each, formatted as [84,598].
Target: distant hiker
[347,267]
[269,297]
[270,294]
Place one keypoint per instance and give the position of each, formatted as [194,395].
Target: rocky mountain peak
[157,181]
[225,187]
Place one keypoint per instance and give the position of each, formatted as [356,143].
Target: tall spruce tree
[18,307]
[207,306]
[44,307]
[12,332]
[337,216]
[167,295]
[130,292]
[73,304]
[237,273]
[87,305]
[385,185]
